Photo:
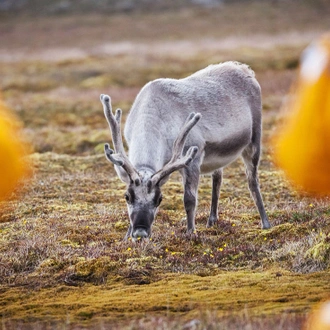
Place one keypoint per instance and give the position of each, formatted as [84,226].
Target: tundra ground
[63,263]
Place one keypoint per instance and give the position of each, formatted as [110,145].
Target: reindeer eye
[159,200]
[130,196]
[127,198]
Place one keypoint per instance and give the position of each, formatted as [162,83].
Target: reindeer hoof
[211,222]
[192,234]
[266,225]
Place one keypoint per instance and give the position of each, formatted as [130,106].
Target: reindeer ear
[122,174]
[152,183]
[185,161]
[163,175]
[118,162]
[163,180]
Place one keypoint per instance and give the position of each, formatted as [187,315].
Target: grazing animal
[195,125]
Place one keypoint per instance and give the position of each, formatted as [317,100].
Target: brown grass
[63,263]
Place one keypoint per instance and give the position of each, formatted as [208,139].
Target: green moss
[95,270]
[260,293]
[121,225]
[319,252]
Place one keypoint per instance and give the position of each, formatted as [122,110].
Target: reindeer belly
[221,153]
[214,162]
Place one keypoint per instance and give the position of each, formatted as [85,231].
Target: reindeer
[195,125]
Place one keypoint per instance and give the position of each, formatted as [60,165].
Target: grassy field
[63,263]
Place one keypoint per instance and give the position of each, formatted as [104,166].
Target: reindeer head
[143,194]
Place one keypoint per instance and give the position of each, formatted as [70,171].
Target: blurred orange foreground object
[320,318]
[13,166]
[302,147]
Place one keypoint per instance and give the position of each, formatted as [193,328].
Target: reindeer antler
[119,158]
[176,162]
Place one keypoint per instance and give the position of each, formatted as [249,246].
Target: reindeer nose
[140,233]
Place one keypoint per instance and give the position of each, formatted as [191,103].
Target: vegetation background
[63,263]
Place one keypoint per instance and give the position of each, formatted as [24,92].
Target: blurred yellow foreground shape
[302,147]
[13,165]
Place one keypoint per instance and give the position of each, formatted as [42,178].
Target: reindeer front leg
[190,176]
[216,184]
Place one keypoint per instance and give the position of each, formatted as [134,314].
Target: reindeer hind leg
[251,157]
